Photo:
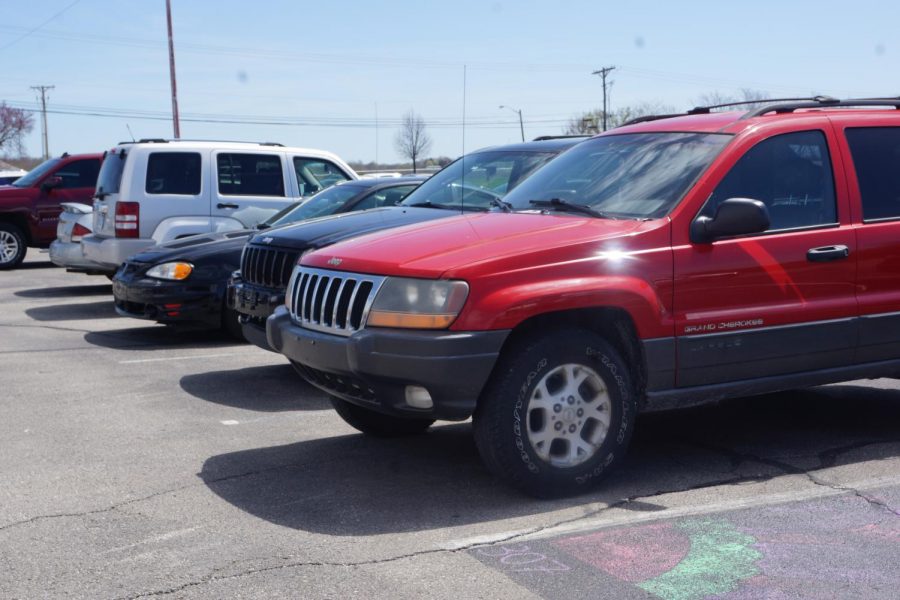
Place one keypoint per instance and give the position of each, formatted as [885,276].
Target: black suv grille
[268,267]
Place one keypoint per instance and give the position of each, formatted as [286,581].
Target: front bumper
[109,252]
[255,304]
[372,367]
[143,297]
[69,255]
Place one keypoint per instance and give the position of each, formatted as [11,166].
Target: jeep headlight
[417,303]
[173,271]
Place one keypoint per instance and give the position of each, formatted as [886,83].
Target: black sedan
[184,281]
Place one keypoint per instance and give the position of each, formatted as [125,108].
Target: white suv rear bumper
[111,252]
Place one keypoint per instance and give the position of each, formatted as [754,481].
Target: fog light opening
[418,397]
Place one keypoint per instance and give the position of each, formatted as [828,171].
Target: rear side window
[876,157]
[173,173]
[250,174]
[79,174]
[314,175]
[111,172]
[790,174]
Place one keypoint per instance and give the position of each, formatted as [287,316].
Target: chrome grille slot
[268,267]
[331,301]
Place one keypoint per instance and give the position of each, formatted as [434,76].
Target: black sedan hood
[197,247]
[325,231]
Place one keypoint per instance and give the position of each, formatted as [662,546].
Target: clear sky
[323,70]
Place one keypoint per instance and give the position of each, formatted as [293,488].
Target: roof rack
[165,141]
[777,105]
[544,138]
[705,110]
[820,102]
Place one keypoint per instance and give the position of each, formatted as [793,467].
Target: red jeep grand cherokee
[665,263]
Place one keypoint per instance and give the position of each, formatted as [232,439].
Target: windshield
[639,175]
[37,173]
[279,217]
[326,202]
[471,182]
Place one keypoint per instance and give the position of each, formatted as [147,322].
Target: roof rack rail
[820,102]
[705,110]
[165,141]
[544,138]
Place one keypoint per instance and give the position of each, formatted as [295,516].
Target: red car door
[778,302]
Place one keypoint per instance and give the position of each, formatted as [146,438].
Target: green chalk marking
[719,559]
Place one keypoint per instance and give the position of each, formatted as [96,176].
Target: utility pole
[521,124]
[603,73]
[43,89]
[175,125]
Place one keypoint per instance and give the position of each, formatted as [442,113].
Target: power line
[339,122]
[29,32]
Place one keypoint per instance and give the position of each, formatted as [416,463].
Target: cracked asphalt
[138,461]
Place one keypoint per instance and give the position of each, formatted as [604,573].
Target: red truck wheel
[558,413]
[12,246]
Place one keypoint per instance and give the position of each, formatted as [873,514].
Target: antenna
[462,185]
[129,131]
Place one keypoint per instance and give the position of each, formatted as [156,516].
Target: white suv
[154,191]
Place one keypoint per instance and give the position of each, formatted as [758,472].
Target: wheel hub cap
[568,415]
[9,247]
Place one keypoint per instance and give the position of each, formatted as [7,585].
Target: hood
[197,247]
[450,247]
[324,231]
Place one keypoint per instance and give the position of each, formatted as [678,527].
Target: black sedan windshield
[474,181]
[640,175]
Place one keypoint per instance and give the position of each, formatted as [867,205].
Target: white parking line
[604,521]
[169,358]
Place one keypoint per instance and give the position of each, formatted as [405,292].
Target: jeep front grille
[268,267]
[331,301]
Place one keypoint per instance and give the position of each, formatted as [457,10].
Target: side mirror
[735,216]
[51,182]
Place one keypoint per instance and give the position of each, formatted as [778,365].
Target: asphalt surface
[140,461]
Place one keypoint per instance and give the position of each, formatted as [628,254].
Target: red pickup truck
[665,263]
[30,206]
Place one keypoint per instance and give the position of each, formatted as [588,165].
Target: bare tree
[15,123]
[590,121]
[412,141]
[743,95]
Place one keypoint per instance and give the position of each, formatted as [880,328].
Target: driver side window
[791,174]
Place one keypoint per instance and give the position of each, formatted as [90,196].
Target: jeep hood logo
[267,240]
[335,261]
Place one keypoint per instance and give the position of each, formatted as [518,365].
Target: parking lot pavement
[139,461]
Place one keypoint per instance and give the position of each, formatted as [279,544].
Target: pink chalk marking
[631,554]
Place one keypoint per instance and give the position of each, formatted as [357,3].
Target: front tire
[12,246]
[558,413]
[232,325]
[377,424]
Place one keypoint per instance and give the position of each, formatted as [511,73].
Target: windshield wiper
[560,204]
[501,204]
[425,204]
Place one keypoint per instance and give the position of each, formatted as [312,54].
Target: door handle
[226,205]
[827,253]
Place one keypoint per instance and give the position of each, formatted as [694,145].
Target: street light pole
[521,124]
